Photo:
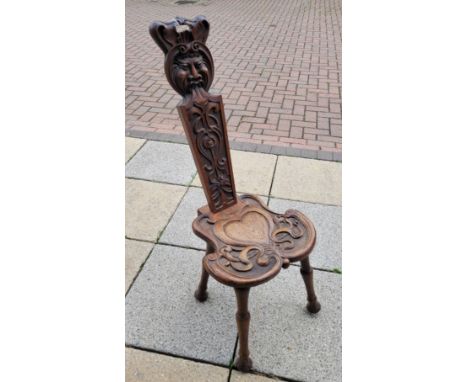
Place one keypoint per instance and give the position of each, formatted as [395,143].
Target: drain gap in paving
[233,358]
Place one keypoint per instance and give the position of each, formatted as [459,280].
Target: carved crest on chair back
[189,69]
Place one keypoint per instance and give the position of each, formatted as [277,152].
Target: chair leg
[313,306]
[243,362]
[201,294]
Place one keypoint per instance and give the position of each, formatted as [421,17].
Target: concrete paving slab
[131,146]
[142,366]
[285,339]
[253,172]
[307,180]
[327,222]
[135,254]
[237,376]
[162,313]
[149,207]
[162,162]
[179,230]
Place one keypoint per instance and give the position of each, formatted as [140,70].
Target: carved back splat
[189,69]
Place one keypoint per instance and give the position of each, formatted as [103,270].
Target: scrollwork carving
[254,236]
[288,231]
[208,132]
[250,243]
[246,259]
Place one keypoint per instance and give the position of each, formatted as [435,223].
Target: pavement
[277,66]
[172,337]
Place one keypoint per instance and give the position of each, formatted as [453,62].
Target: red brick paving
[277,65]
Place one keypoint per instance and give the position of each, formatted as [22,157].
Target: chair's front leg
[243,362]
[313,306]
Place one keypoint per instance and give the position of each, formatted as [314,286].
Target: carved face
[190,71]
[189,66]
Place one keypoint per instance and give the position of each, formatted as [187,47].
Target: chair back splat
[189,69]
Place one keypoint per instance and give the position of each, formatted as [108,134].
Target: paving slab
[327,222]
[285,339]
[131,146]
[307,180]
[149,207]
[135,254]
[253,172]
[162,313]
[237,376]
[179,230]
[162,162]
[143,366]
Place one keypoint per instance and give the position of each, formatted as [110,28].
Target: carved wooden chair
[247,243]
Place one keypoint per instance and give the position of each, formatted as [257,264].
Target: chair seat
[248,244]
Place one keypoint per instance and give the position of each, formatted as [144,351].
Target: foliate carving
[206,122]
[189,70]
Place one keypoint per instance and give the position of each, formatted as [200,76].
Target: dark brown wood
[252,242]
[247,243]
[202,116]
[313,306]
[189,69]
[243,361]
[201,294]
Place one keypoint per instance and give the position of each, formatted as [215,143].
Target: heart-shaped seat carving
[252,227]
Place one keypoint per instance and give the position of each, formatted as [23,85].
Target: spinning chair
[247,243]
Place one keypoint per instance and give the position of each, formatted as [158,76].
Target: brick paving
[277,65]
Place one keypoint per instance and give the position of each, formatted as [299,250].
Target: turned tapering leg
[201,294]
[313,306]
[243,362]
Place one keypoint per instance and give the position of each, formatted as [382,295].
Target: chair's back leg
[201,294]
[313,306]
[243,362]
